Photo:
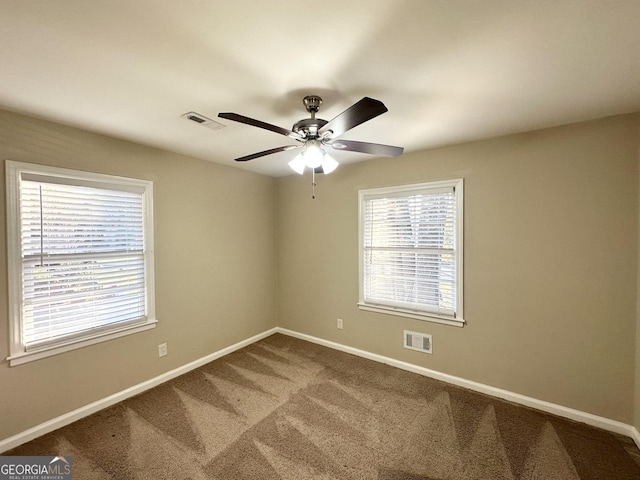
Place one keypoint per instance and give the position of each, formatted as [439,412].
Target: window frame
[400,190]
[18,354]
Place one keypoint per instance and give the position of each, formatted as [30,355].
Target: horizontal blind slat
[409,253]
[83,257]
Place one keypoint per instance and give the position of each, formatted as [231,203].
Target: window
[411,251]
[80,259]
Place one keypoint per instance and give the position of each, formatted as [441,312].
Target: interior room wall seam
[636,403]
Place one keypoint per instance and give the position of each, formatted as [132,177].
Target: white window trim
[458,320]
[18,355]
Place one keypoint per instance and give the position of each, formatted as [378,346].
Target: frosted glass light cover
[312,155]
[329,164]
[297,164]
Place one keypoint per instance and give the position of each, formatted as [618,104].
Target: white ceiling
[448,70]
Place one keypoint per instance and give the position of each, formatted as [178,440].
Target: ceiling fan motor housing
[308,127]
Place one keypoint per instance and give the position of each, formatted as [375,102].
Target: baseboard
[548,407]
[562,411]
[635,435]
[67,418]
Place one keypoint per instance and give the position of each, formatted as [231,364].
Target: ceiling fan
[316,136]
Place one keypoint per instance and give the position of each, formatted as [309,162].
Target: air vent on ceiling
[418,341]
[202,120]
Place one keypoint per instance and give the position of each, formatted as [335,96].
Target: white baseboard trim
[566,412]
[548,407]
[635,435]
[77,414]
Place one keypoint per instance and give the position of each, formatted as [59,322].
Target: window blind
[409,250]
[83,258]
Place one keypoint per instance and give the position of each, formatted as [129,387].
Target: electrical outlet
[162,349]
[339,324]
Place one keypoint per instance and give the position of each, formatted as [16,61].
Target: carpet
[283,408]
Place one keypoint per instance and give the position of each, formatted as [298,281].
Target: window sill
[427,317]
[37,354]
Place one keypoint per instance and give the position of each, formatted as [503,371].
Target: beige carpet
[287,409]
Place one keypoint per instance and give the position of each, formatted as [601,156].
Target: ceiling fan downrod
[308,128]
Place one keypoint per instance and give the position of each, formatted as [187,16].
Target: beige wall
[551,265]
[637,390]
[215,269]
[551,230]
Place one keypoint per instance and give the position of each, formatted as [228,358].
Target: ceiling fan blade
[266,152]
[257,123]
[358,113]
[370,148]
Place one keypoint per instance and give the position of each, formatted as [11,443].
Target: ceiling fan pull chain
[313,183]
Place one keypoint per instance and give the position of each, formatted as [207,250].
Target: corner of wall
[636,402]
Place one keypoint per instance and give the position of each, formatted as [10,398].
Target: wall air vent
[202,120]
[418,341]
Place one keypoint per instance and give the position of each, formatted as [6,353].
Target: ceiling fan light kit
[327,164]
[316,135]
[312,154]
